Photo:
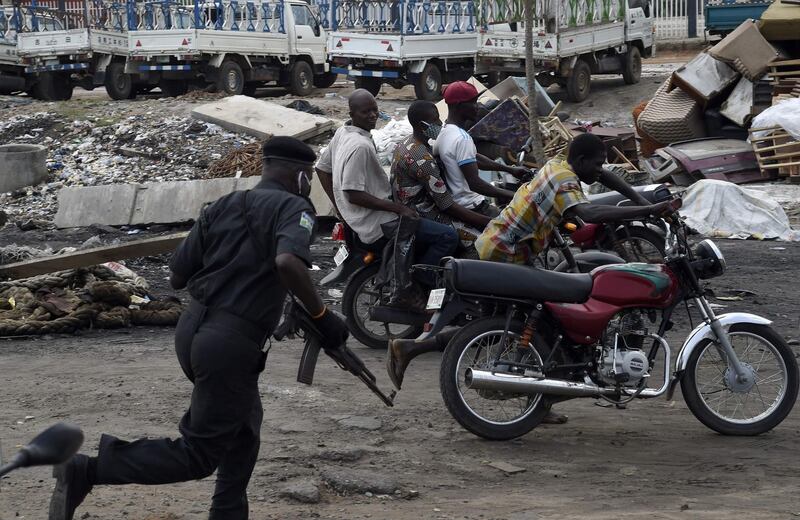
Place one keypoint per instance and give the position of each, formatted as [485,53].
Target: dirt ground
[650,460]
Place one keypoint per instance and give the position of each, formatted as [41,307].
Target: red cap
[460,92]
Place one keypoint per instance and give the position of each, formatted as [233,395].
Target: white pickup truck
[235,45]
[404,42]
[573,39]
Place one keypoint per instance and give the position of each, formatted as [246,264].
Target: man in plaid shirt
[524,228]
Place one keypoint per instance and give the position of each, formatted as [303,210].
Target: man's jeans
[434,242]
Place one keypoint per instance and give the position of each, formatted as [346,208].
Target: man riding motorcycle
[523,229]
[418,181]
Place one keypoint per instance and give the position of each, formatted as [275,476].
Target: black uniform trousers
[221,354]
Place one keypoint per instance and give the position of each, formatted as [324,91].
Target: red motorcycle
[555,336]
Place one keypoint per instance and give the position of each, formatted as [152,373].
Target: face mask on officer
[431,130]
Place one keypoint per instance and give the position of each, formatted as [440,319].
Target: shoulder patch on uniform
[307,221]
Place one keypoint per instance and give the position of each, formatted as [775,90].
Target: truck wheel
[118,84]
[325,80]
[64,88]
[579,81]
[301,80]
[52,86]
[231,78]
[372,85]
[632,67]
[429,83]
[173,87]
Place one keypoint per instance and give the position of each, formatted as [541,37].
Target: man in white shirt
[352,176]
[456,149]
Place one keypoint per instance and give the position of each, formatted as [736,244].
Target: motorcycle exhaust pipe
[519,384]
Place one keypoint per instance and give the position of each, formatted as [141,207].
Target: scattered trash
[335,293]
[304,106]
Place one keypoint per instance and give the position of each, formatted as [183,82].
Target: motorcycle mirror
[55,445]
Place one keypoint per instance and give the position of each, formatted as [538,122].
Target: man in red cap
[457,151]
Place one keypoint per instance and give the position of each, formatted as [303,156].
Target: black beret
[288,149]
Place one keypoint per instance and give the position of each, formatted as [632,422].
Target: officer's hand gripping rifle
[297,320]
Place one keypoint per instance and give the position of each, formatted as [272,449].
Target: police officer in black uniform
[239,259]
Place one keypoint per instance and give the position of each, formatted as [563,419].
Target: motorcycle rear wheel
[360,294]
[488,414]
[708,393]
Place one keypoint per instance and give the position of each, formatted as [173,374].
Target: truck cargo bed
[399,47]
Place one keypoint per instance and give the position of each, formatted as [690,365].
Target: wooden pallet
[555,136]
[777,150]
[781,70]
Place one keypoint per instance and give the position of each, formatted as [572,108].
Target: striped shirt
[524,228]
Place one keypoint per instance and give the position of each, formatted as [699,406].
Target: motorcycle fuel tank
[616,287]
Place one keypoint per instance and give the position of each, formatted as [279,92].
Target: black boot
[72,486]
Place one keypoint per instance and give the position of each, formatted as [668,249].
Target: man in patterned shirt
[524,228]
[417,180]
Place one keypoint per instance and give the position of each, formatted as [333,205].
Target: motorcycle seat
[518,282]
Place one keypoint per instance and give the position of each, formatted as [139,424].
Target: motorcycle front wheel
[717,400]
[493,415]
[361,293]
[641,244]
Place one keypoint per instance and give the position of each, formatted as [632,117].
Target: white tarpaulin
[723,209]
[785,114]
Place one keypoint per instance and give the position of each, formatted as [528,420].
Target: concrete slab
[262,119]
[155,202]
[180,201]
[83,206]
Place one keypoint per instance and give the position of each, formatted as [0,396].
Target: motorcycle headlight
[710,262]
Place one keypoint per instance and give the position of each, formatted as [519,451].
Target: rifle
[297,321]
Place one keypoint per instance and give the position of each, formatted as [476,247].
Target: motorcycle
[364,302]
[557,336]
[55,445]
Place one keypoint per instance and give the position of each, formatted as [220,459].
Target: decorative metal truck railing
[218,15]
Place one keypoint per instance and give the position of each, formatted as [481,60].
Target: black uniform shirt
[226,270]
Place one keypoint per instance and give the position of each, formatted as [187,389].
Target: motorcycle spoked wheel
[360,294]
[495,416]
[641,244]
[708,392]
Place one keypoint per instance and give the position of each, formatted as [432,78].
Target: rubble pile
[113,149]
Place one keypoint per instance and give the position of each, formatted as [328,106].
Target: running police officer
[239,259]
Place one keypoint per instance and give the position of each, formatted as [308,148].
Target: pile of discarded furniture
[714,117]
